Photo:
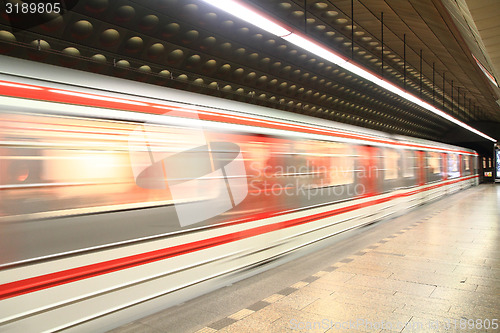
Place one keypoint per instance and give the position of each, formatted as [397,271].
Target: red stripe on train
[21,287]
[47,94]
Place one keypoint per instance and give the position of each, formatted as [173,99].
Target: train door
[422,175]
[422,179]
[367,170]
[444,161]
[461,167]
[444,170]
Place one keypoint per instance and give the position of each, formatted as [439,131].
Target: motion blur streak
[110,210]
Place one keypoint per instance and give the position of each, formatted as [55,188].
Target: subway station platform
[435,269]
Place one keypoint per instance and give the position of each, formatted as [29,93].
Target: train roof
[31,72]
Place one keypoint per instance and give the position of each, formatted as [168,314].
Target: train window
[391,163]
[453,166]
[467,164]
[341,170]
[433,166]
[318,162]
[434,163]
[408,163]
[82,165]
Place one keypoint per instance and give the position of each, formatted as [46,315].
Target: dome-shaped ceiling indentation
[99,58]
[270,43]
[250,77]
[134,44]
[109,37]
[145,69]
[239,52]
[330,14]
[190,36]
[253,57]
[209,66]
[149,23]
[264,62]
[224,69]
[123,64]
[272,84]
[170,30]
[165,73]
[7,36]
[199,82]
[81,30]
[261,80]
[71,51]
[227,25]
[124,14]
[175,56]
[320,6]
[189,10]
[257,38]
[243,32]
[276,66]
[156,50]
[224,48]
[296,73]
[208,43]
[193,61]
[286,70]
[238,73]
[284,6]
[209,18]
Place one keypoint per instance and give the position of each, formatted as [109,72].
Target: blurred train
[119,198]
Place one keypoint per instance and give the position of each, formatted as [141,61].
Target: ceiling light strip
[260,20]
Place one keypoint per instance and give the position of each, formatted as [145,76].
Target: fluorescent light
[97,97]
[259,20]
[247,14]
[315,48]
[398,91]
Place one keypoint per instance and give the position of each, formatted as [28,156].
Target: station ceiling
[190,45]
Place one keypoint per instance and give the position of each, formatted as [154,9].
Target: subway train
[121,198]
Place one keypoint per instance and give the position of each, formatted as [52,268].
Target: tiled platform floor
[436,269]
